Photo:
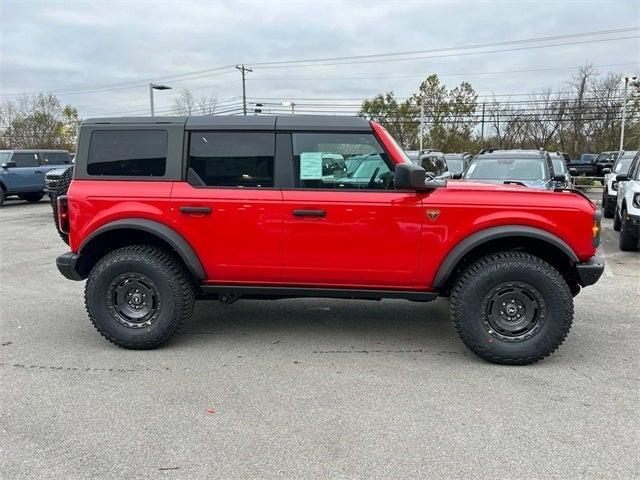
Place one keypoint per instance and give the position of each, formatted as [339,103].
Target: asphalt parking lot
[305,388]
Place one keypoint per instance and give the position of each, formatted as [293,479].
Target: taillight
[595,229]
[63,214]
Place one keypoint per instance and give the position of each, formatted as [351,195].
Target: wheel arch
[120,233]
[533,240]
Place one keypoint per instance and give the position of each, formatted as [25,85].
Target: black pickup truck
[592,167]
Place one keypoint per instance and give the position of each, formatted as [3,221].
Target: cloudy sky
[100,55]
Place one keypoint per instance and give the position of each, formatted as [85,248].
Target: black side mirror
[622,177]
[457,176]
[408,176]
[559,177]
[606,170]
[9,164]
[573,171]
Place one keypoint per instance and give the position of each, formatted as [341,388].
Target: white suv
[627,214]
[610,190]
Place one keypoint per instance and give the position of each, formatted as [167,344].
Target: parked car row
[22,172]
[626,216]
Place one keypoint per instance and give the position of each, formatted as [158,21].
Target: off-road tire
[61,188]
[175,287]
[471,294]
[608,207]
[617,221]
[627,241]
[31,197]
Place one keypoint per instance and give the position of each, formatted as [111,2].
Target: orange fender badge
[433,214]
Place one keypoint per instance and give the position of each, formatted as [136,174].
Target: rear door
[27,175]
[344,224]
[229,209]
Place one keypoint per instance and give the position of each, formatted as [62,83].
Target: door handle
[309,213]
[200,210]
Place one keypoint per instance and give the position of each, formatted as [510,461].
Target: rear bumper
[67,266]
[590,271]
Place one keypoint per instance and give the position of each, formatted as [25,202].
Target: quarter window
[56,158]
[132,153]
[341,161]
[233,159]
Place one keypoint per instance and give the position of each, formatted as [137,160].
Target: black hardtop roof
[249,122]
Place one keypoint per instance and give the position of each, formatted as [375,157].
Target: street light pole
[624,106]
[152,87]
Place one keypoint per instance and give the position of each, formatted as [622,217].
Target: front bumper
[590,271]
[67,266]
[631,221]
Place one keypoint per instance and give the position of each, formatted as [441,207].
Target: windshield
[558,165]
[606,156]
[454,165]
[623,164]
[506,169]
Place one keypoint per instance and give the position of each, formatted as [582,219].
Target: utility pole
[482,127]
[243,70]
[634,82]
[421,134]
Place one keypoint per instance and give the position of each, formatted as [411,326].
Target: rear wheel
[608,207]
[2,195]
[139,296]
[512,308]
[628,239]
[31,197]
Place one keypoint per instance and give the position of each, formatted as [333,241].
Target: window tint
[233,159]
[341,160]
[136,153]
[25,159]
[55,158]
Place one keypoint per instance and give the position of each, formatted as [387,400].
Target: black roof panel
[249,122]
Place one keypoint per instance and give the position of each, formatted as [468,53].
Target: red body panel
[379,239]
[241,240]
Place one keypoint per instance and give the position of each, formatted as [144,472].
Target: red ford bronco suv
[162,211]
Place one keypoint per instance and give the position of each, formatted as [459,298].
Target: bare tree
[185,103]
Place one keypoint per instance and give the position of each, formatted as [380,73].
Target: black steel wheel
[514,311]
[134,300]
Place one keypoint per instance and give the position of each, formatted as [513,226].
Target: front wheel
[31,197]
[139,296]
[512,308]
[628,241]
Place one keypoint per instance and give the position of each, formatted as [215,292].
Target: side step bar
[231,293]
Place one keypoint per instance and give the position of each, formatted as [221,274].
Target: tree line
[583,117]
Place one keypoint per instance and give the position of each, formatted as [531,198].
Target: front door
[344,225]
[229,210]
[26,176]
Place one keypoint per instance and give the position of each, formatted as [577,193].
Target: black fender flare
[465,246]
[160,230]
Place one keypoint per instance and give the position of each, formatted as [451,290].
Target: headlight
[636,200]
[614,186]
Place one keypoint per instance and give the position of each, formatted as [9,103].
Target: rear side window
[132,153]
[233,159]
[55,158]
[25,159]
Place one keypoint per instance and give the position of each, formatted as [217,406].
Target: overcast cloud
[66,45]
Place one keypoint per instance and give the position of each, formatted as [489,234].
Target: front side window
[233,159]
[25,159]
[341,161]
[134,153]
